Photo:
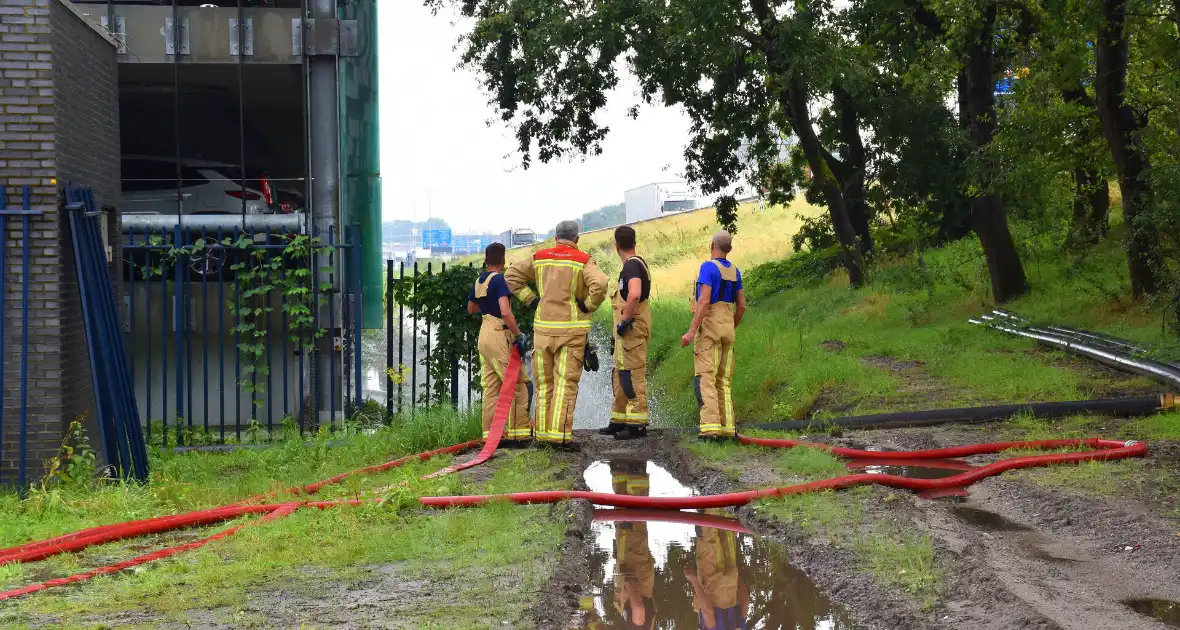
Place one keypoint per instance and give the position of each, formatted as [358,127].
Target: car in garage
[150,187]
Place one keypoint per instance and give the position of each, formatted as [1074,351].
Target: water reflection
[693,570]
[913,469]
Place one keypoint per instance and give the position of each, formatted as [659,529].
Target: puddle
[988,520]
[690,569]
[1161,610]
[914,469]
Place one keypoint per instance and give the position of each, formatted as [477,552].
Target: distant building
[658,199]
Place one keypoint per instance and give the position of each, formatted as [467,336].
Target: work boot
[515,444]
[612,428]
[631,433]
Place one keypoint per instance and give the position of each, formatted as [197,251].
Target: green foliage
[804,269]
[604,217]
[260,276]
[75,465]
[441,300]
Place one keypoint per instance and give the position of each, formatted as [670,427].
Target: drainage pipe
[1124,407]
[1144,367]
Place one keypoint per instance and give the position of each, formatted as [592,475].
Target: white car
[149,187]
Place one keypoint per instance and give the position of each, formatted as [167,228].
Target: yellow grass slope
[675,246]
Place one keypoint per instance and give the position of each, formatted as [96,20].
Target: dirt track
[1016,554]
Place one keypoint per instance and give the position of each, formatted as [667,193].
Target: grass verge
[385,558]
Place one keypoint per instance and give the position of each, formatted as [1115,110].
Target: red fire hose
[1109,449]
[76,541]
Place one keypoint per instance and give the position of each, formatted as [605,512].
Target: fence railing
[422,368]
[15,459]
[233,335]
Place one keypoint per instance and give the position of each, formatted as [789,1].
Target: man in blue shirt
[718,304]
[498,334]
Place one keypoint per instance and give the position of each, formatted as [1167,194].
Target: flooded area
[690,569]
[1162,610]
[987,520]
[913,469]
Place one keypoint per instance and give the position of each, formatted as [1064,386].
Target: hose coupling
[1168,401]
[1130,443]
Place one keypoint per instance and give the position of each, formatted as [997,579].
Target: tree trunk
[853,184]
[794,99]
[964,107]
[1091,203]
[988,214]
[1123,127]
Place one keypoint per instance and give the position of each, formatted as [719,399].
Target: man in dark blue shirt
[498,334]
[718,305]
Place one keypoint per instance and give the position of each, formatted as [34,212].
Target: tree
[1123,126]
[740,74]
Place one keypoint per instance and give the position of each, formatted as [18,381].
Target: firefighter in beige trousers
[718,307]
[632,318]
[570,287]
[498,334]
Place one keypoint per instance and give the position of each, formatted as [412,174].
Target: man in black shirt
[632,317]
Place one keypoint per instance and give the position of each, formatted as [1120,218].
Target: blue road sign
[436,239]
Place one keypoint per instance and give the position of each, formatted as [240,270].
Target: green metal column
[360,154]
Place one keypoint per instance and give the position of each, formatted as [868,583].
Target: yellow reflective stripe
[542,392]
[573,297]
[552,324]
[623,415]
[516,434]
[526,294]
[572,264]
[727,420]
[559,393]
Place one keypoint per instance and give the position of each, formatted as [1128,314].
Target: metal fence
[234,334]
[21,216]
[408,351]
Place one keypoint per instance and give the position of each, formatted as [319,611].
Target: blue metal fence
[225,326]
[25,214]
[120,433]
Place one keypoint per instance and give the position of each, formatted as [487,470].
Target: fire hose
[77,541]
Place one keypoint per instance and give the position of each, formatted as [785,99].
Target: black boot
[612,428]
[568,447]
[632,432]
[515,444]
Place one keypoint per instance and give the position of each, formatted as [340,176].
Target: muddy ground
[1015,553]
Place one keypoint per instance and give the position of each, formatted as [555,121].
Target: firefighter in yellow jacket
[632,317]
[570,287]
[635,568]
[718,305]
[497,335]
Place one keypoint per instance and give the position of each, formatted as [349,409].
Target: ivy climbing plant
[441,299]
[260,274]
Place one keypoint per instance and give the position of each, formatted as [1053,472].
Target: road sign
[436,239]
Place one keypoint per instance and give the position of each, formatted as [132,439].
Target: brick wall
[59,122]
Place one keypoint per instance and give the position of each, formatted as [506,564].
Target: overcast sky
[439,157]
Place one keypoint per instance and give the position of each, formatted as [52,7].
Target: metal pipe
[1145,367]
[287,223]
[324,104]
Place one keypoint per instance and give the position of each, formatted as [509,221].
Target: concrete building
[658,199]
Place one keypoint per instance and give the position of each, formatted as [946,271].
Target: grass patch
[907,562]
[809,463]
[493,559]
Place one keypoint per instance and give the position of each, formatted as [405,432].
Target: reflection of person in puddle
[635,572]
[718,593]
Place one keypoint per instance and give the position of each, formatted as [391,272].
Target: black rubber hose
[1122,407]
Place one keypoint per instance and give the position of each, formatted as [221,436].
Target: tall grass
[189,481]
[913,310]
